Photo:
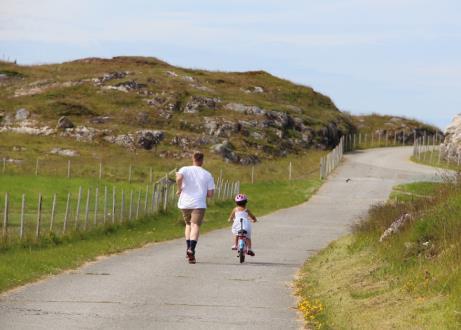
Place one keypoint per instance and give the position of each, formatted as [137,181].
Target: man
[194,185]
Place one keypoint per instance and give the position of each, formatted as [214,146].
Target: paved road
[154,287]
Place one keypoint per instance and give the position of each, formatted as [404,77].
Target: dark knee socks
[193,244]
[188,243]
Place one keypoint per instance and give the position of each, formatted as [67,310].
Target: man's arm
[179,179]
[210,193]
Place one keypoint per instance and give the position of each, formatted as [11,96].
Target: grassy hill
[257,115]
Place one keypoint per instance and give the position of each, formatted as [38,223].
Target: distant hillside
[145,103]
[375,123]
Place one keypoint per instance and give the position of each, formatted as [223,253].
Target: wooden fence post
[105,206]
[154,191]
[113,205]
[87,209]
[131,205]
[122,206]
[77,211]
[66,215]
[289,171]
[5,218]
[145,199]
[39,216]
[96,201]
[21,226]
[53,210]
[137,205]
[150,175]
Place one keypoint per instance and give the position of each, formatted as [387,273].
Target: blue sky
[400,57]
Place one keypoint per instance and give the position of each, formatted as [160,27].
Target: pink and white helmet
[240,198]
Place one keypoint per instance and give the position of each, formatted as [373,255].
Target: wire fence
[30,218]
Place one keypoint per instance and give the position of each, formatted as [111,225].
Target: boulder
[64,123]
[226,150]
[451,146]
[22,114]
[147,139]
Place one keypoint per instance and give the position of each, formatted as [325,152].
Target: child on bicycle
[241,212]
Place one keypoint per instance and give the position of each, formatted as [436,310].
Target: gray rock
[64,123]
[147,139]
[220,127]
[198,103]
[226,150]
[22,114]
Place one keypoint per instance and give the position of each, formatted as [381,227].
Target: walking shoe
[251,253]
[191,256]
[234,247]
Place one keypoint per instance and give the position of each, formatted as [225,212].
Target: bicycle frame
[242,242]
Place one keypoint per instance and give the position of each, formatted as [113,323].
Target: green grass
[433,159]
[19,265]
[412,280]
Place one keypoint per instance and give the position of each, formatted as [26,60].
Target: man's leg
[187,231]
[187,217]
[196,221]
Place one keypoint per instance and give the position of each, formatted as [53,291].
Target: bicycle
[242,246]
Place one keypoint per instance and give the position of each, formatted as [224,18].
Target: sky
[398,57]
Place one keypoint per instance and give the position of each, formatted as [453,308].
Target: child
[241,212]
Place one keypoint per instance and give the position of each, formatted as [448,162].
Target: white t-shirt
[195,185]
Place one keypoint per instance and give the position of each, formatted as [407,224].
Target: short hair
[198,156]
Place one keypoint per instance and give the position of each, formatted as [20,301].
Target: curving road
[154,288]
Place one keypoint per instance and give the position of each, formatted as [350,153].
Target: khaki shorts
[193,216]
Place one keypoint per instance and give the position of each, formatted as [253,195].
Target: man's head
[197,158]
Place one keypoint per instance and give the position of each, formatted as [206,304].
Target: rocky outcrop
[145,139]
[196,104]
[110,76]
[451,146]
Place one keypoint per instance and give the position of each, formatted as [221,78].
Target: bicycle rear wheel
[242,256]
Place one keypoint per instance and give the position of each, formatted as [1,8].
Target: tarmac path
[155,288]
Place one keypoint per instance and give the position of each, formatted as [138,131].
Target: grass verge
[19,265]
[433,159]
[412,280]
